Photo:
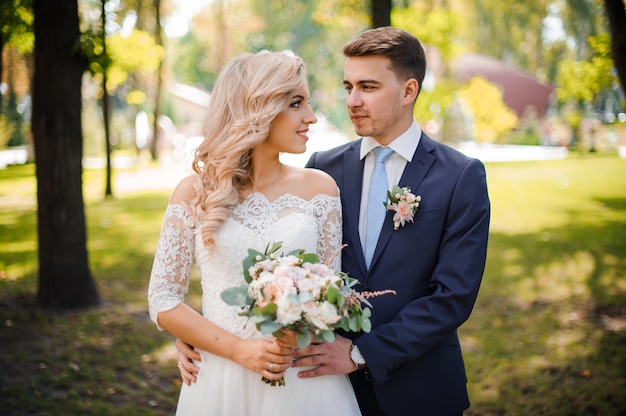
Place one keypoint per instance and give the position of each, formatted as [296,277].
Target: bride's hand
[263,356]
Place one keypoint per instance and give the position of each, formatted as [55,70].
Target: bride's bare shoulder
[185,190]
[307,182]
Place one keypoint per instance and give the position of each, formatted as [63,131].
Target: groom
[411,362]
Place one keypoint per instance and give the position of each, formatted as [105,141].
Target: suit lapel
[351,197]
[414,173]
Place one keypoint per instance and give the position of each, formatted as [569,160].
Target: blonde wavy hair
[250,91]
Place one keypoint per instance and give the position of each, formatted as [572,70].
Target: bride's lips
[304,134]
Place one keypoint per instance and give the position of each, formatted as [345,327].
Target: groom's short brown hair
[403,49]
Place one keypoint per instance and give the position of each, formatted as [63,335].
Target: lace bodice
[313,225]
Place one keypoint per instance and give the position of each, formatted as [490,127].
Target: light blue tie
[375,198]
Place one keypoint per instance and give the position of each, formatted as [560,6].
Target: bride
[242,197]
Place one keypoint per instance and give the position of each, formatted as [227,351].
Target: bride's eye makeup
[297,101]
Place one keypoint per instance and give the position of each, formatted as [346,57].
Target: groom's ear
[411,89]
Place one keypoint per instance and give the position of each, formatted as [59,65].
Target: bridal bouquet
[296,292]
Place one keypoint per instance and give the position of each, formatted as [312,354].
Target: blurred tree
[135,52]
[65,279]
[616,15]
[438,28]
[523,24]
[189,61]
[131,56]
[131,77]
[539,33]
[158,41]
[581,19]
[147,86]
[108,187]
[581,82]
[434,111]
[217,32]
[338,22]
[315,30]
[16,31]
[491,117]
[14,118]
[381,12]
[113,60]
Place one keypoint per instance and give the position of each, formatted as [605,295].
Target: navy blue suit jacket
[435,264]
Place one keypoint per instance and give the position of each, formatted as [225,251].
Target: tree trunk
[108,188]
[617,23]
[65,280]
[154,147]
[1,67]
[381,13]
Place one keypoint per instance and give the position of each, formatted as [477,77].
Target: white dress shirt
[404,147]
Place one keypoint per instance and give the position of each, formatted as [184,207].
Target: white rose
[288,312]
[327,313]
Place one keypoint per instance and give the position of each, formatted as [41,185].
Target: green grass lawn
[547,336]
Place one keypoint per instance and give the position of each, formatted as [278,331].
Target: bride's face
[289,130]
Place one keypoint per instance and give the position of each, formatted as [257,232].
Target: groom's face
[374,97]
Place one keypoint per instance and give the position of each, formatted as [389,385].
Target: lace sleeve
[328,215]
[173,260]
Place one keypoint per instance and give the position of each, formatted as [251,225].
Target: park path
[164,176]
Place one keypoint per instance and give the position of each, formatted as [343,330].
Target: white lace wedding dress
[223,387]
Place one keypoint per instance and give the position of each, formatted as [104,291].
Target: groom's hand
[186,354]
[327,357]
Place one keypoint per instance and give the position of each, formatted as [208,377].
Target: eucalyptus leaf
[293,298]
[310,258]
[236,296]
[318,324]
[332,295]
[268,327]
[366,325]
[269,310]
[256,319]
[304,297]
[253,254]
[353,324]
[304,339]
[344,324]
[329,336]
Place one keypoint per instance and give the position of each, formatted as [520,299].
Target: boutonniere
[404,203]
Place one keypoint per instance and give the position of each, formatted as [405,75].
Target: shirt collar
[404,145]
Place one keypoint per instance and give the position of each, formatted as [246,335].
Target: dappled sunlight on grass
[165,354]
[560,279]
[18,247]
[554,284]
[567,344]
[531,196]
[16,271]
